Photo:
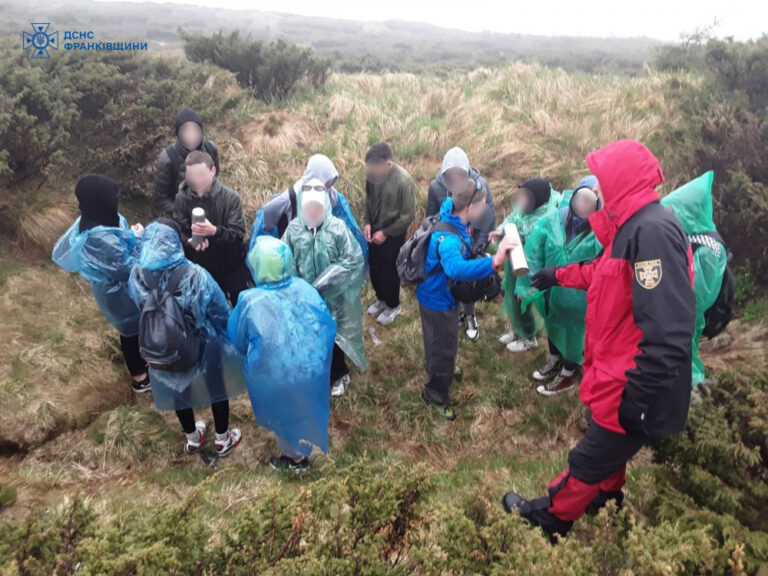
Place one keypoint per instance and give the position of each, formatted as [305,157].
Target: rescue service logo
[40,40]
[648,273]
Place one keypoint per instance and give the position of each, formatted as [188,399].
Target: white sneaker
[508,337]
[340,386]
[473,332]
[523,345]
[194,447]
[226,447]
[377,308]
[389,315]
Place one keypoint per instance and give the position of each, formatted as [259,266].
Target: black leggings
[220,417]
[130,347]
[339,366]
[555,352]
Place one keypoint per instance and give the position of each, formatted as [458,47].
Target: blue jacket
[435,292]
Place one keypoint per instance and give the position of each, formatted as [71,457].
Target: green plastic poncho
[564,309]
[525,323]
[331,260]
[692,204]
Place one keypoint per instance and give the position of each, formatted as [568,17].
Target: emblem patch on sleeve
[648,273]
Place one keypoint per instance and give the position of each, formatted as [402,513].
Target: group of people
[203,316]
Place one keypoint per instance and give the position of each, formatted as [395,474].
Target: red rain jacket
[640,302]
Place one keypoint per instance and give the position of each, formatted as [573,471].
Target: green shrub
[273,71]
[714,474]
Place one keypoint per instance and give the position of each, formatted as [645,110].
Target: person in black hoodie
[221,251]
[170,165]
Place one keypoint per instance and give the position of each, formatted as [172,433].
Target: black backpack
[720,313]
[167,340]
[412,258]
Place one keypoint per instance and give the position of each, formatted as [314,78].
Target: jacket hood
[447,215]
[455,158]
[187,115]
[270,261]
[160,248]
[628,174]
[692,204]
[321,167]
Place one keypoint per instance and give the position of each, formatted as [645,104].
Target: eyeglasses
[318,188]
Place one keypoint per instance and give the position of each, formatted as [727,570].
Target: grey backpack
[167,339]
[412,258]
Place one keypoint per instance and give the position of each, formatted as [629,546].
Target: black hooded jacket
[170,170]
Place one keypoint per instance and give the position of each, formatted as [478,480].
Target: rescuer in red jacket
[639,328]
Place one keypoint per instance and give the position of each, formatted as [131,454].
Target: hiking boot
[473,332]
[141,386]
[561,383]
[523,345]
[550,368]
[508,336]
[442,409]
[225,447]
[285,464]
[339,386]
[377,308]
[193,447]
[389,315]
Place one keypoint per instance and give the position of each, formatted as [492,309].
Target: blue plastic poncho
[286,333]
[319,166]
[331,260]
[104,256]
[218,376]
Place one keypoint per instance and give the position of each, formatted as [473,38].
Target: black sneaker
[442,409]
[285,464]
[141,386]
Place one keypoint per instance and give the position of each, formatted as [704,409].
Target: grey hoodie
[438,192]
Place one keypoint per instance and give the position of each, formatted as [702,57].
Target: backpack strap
[450,229]
[149,279]
[293,199]
[176,278]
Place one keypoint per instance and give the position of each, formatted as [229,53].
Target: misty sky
[662,19]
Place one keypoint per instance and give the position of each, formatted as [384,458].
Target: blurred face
[524,201]
[199,177]
[477,210]
[455,179]
[313,214]
[190,135]
[584,203]
[376,171]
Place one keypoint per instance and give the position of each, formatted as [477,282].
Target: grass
[68,423]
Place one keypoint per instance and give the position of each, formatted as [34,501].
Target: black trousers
[568,365]
[234,283]
[596,472]
[133,360]
[220,417]
[339,366]
[384,277]
[440,331]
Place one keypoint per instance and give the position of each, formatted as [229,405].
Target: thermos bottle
[517,258]
[198,215]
